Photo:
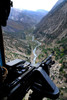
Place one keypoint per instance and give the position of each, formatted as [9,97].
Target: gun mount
[18,76]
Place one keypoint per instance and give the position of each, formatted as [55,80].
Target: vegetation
[63,41]
[28,51]
[44,52]
[59,53]
[16,48]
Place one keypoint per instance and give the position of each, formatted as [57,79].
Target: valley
[18,48]
[35,50]
[31,40]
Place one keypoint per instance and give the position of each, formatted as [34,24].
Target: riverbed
[34,50]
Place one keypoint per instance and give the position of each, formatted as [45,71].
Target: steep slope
[52,33]
[54,24]
[58,2]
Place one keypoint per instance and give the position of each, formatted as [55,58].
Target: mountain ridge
[53,24]
[23,19]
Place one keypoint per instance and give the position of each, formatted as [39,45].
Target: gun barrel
[48,59]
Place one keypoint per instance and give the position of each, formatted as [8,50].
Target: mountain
[57,4]
[51,31]
[16,48]
[22,20]
[25,15]
[54,24]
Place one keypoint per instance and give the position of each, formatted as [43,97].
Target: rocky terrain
[16,47]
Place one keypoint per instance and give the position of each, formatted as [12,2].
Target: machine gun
[18,76]
[23,76]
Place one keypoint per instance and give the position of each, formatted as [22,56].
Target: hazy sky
[34,4]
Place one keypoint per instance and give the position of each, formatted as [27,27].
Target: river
[34,50]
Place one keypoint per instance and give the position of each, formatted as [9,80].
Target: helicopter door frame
[2,55]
